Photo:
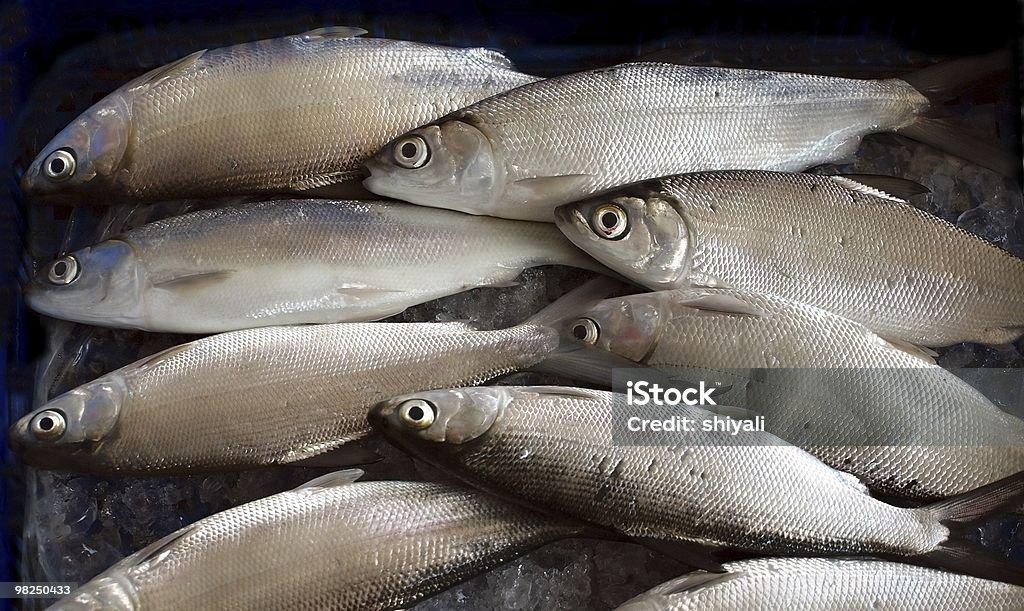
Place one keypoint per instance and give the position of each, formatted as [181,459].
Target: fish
[332,543]
[290,262]
[556,448]
[284,395]
[521,153]
[827,583]
[288,114]
[829,241]
[886,413]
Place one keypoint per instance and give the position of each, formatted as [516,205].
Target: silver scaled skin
[288,262]
[822,240]
[286,114]
[827,584]
[330,544]
[552,448]
[521,153]
[900,423]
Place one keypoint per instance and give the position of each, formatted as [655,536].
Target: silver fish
[287,262]
[278,395]
[827,241]
[521,153]
[332,543]
[893,418]
[827,584]
[553,448]
[286,114]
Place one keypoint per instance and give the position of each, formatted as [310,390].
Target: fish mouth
[375,180]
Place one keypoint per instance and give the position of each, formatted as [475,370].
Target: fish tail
[946,81]
[959,552]
[571,357]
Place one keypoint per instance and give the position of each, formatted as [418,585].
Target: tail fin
[946,81]
[958,552]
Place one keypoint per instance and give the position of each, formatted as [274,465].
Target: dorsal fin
[491,56]
[562,391]
[885,187]
[332,31]
[331,480]
[155,359]
[154,552]
[720,302]
[696,581]
[162,73]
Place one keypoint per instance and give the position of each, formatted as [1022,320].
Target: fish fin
[318,181]
[332,480]
[491,56]
[156,551]
[194,281]
[958,552]
[946,136]
[332,31]
[347,455]
[504,284]
[926,354]
[690,554]
[725,304]
[155,359]
[343,190]
[854,482]
[568,187]
[949,79]
[155,76]
[573,304]
[854,186]
[584,362]
[570,392]
[696,581]
[891,186]
[701,280]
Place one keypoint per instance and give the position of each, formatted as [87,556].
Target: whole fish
[826,584]
[553,448]
[827,241]
[280,395]
[521,153]
[303,261]
[287,114]
[332,543]
[900,423]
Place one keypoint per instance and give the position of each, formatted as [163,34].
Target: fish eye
[64,270]
[60,165]
[610,221]
[416,413]
[412,152]
[48,425]
[586,330]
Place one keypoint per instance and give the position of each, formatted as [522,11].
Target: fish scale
[273,395]
[827,584]
[900,423]
[611,126]
[375,546]
[738,491]
[279,115]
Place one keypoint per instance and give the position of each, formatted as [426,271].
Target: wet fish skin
[288,262]
[521,153]
[824,241]
[901,424]
[330,544]
[284,114]
[551,447]
[825,584]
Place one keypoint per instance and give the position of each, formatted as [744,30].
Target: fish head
[85,156]
[628,327]
[635,231]
[108,591]
[446,165]
[439,419]
[101,284]
[66,432]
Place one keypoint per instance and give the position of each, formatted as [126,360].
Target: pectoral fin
[567,188]
[194,282]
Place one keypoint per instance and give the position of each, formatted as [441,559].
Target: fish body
[826,241]
[521,153]
[330,544]
[900,423]
[553,448]
[288,262]
[286,114]
[827,584]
